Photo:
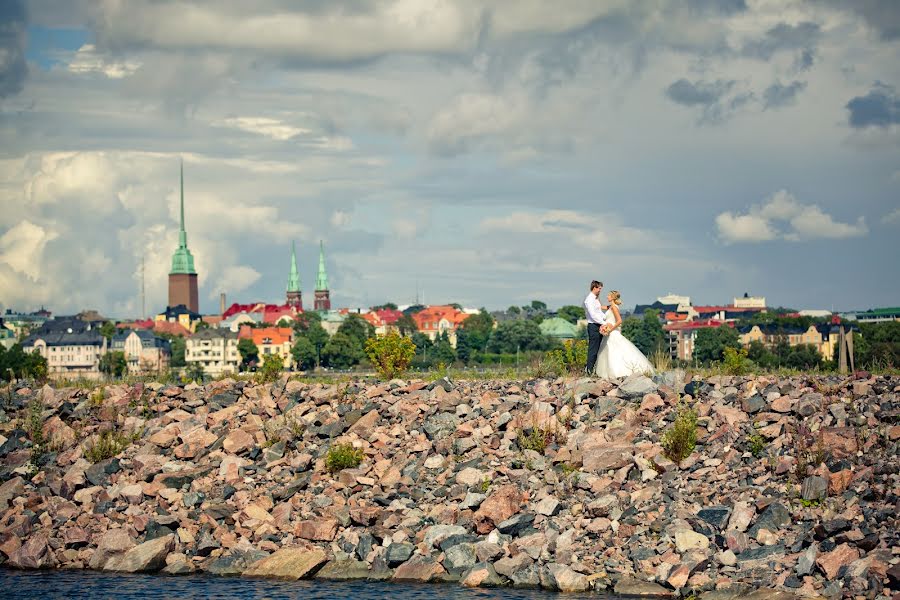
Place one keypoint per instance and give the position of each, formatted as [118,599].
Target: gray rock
[753,404]
[147,557]
[192,499]
[814,488]
[763,553]
[717,516]
[807,561]
[548,507]
[436,534]
[343,570]
[398,554]
[473,500]
[485,573]
[526,577]
[776,516]
[235,563]
[633,587]
[516,524]
[441,425]
[459,558]
[636,386]
[809,404]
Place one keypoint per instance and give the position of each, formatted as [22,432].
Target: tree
[201,326]
[711,343]
[309,325]
[804,356]
[113,364]
[514,310]
[15,362]
[248,351]
[358,330]
[571,313]
[647,333]
[385,306]
[406,325]
[415,308]
[539,306]
[305,353]
[341,351]
[477,328]
[194,372]
[177,346]
[442,352]
[272,367]
[421,341]
[762,356]
[108,330]
[519,335]
[390,355]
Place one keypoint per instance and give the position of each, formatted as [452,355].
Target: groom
[593,311]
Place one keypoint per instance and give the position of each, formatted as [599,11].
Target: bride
[618,356]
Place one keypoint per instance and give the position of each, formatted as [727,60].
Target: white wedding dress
[618,356]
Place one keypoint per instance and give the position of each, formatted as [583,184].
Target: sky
[475,151]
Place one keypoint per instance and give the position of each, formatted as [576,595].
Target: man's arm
[593,309]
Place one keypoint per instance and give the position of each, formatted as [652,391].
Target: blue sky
[493,152]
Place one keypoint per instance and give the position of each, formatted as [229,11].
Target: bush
[736,362]
[571,357]
[342,456]
[272,367]
[680,439]
[390,355]
[538,437]
[108,444]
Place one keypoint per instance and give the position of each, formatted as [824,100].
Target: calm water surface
[34,585]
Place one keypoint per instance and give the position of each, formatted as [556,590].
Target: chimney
[222,303]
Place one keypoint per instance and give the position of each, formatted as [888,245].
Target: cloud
[881,15]
[470,118]
[892,217]
[22,248]
[778,94]
[801,38]
[13,27]
[87,60]
[715,98]
[783,217]
[879,108]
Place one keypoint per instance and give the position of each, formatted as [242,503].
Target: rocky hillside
[793,484]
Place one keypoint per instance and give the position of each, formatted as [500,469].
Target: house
[823,336]
[215,350]
[21,324]
[658,306]
[144,352]
[683,335]
[726,312]
[436,320]
[559,329]
[182,315]
[748,301]
[878,315]
[72,347]
[271,340]
[331,321]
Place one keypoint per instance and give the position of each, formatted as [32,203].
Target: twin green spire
[182,259]
[322,277]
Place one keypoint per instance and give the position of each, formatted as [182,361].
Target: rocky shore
[792,489]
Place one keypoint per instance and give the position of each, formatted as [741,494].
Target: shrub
[736,361]
[571,357]
[756,443]
[108,444]
[679,440]
[538,437]
[342,456]
[272,367]
[34,424]
[390,355]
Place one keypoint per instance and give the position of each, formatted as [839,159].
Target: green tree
[113,364]
[194,372]
[248,351]
[108,330]
[646,333]
[15,362]
[519,335]
[762,356]
[571,313]
[514,310]
[358,330]
[804,356]
[177,346]
[385,306]
[309,325]
[539,306]
[477,328]
[201,326]
[305,353]
[711,343]
[390,355]
[406,325]
[442,352]
[341,351]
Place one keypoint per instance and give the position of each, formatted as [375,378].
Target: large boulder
[149,556]
[289,563]
[636,386]
[419,569]
[113,543]
[499,506]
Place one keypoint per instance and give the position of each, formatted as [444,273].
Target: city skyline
[484,155]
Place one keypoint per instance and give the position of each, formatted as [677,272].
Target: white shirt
[592,310]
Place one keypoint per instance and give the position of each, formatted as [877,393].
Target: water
[34,585]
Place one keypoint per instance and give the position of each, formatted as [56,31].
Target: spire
[293,284]
[182,260]
[322,277]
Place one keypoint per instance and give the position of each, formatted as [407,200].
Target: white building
[72,348]
[750,302]
[683,302]
[144,352]
[215,350]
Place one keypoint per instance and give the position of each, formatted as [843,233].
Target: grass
[680,439]
[287,427]
[342,456]
[108,444]
[538,437]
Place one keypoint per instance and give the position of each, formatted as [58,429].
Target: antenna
[143,296]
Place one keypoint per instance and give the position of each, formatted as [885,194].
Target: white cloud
[892,217]
[22,248]
[87,60]
[783,217]
[273,128]
[589,231]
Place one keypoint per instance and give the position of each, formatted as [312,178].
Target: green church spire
[293,284]
[182,259]
[322,277]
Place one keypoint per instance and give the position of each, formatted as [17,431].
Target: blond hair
[615,297]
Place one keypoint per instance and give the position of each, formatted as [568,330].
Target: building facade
[183,277]
[294,295]
[436,320]
[144,352]
[214,350]
[72,347]
[271,340]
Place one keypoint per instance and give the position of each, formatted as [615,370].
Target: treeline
[15,363]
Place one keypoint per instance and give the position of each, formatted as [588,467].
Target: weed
[390,355]
[756,443]
[809,503]
[342,456]
[662,360]
[568,469]
[736,361]
[109,444]
[810,451]
[485,485]
[680,439]
[34,424]
[538,437]
[96,399]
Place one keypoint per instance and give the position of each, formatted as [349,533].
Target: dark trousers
[594,339]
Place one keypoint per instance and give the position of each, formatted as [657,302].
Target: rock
[806,561]
[470,476]
[133,494]
[727,558]
[499,506]
[633,587]
[419,569]
[814,488]
[178,564]
[322,530]
[760,555]
[10,490]
[397,554]
[516,524]
[717,516]
[32,554]
[288,563]
[238,442]
[831,562]
[753,404]
[809,404]
[344,570]
[481,575]
[472,500]
[568,580]
[436,534]
[439,426]
[511,564]
[636,386]
[741,516]
[599,459]
[235,563]
[687,539]
[114,542]
[459,558]
[149,556]
[776,516]
[364,426]
[548,507]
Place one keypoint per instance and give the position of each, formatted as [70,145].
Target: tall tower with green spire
[294,296]
[323,296]
[183,277]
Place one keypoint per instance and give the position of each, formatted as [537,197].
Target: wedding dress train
[619,357]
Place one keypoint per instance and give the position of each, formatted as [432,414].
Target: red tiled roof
[257,307]
[145,324]
[275,335]
[426,318]
[212,319]
[702,324]
[389,316]
[171,328]
[674,316]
